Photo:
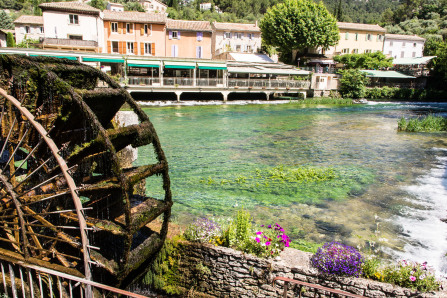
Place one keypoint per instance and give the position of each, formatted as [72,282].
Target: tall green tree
[353,83]
[439,73]
[99,4]
[296,25]
[375,60]
[10,42]
[5,21]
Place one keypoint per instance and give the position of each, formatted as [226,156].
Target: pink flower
[412,278]
[267,243]
[257,239]
[259,233]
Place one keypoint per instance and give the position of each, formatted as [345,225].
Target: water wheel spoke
[11,157]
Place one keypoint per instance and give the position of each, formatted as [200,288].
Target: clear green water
[221,158]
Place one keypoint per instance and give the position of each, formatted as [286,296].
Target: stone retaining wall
[224,272]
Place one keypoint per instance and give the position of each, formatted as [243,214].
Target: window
[147,29]
[227,35]
[355,51]
[249,49]
[368,37]
[129,28]
[41,29]
[404,44]
[174,50]
[391,43]
[175,34]
[414,45]
[75,37]
[199,52]
[356,36]
[74,19]
[199,36]
[250,35]
[130,48]
[148,49]
[390,53]
[239,35]
[368,51]
[238,48]
[346,35]
[115,47]
[27,29]
[114,27]
[413,55]
[402,54]
[379,37]
[345,51]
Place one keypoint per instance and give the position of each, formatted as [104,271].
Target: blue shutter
[170,34]
[178,34]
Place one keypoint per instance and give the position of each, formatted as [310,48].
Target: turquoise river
[377,188]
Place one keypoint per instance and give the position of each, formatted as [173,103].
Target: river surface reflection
[391,186]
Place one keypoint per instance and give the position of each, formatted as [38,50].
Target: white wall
[35,32]
[222,44]
[400,48]
[57,25]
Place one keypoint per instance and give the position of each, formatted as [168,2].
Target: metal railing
[143,81]
[319,69]
[209,82]
[178,81]
[314,286]
[34,281]
[264,83]
[70,42]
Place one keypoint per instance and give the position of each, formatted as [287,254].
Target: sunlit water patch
[220,157]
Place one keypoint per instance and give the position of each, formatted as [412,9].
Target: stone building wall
[224,272]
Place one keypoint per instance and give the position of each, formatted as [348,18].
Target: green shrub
[429,123]
[411,275]
[352,83]
[239,231]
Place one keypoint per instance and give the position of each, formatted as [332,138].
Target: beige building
[154,6]
[235,37]
[28,27]
[188,39]
[356,39]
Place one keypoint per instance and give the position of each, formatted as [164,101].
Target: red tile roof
[361,27]
[236,27]
[134,17]
[34,20]
[188,25]
[73,6]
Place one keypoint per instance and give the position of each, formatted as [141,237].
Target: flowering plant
[270,240]
[204,230]
[411,275]
[339,259]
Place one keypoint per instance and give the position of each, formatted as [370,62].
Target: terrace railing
[70,42]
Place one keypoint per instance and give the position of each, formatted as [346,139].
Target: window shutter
[153,49]
[120,28]
[135,48]
[197,52]
[131,27]
[230,35]
[121,47]
[178,34]
[142,48]
[242,35]
[110,28]
[170,34]
[173,50]
[141,29]
[109,46]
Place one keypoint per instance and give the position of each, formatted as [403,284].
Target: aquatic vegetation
[326,100]
[430,123]
[338,259]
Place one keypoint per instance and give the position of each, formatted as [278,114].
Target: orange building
[134,33]
[188,39]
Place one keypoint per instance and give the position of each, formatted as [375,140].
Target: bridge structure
[147,74]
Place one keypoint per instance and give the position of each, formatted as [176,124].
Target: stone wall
[224,272]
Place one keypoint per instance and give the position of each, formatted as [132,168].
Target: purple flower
[257,239]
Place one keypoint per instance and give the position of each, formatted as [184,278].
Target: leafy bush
[352,83]
[269,241]
[411,275]
[338,259]
[205,231]
[429,123]
[239,231]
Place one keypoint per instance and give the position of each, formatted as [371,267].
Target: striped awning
[143,63]
[179,65]
[218,66]
[103,59]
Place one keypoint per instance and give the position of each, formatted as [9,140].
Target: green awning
[413,60]
[102,59]
[213,66]
[143,63]
[61,57]
[386,74]
[180,65]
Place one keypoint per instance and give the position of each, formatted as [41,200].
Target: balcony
[319,69]
[65,42]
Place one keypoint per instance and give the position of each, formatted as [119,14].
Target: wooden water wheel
[66,200]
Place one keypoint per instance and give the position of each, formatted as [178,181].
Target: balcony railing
[219,82]
[70,42]
[319,69]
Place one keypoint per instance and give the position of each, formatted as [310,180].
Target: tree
[375,60]
[99,4]
[135,6]
[297,25]
[5,21]
[352,84]
[10,42]
[439,74]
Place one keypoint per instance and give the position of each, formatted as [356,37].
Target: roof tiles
[188,25]
[362,27]
[73,6]
[134,17]
[236,27]
[405,37]
[34,20]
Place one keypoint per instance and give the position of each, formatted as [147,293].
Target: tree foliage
[375,60]
[297,25]
[99,4]
[134,6]
[5,21]
[10,42]
[353,83]
[440,66]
